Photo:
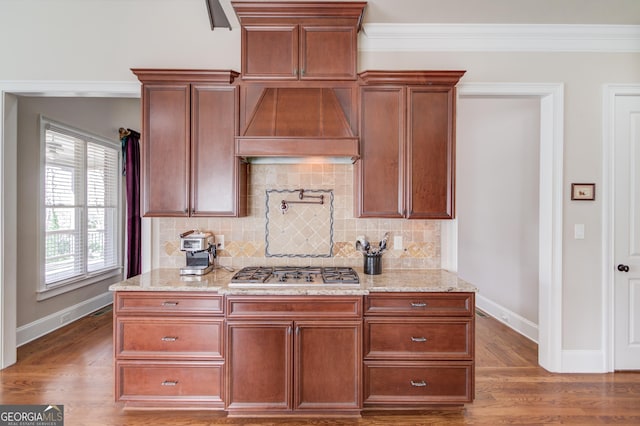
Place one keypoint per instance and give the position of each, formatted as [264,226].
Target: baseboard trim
[512,320]
[46,325]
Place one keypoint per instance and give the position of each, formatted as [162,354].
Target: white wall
[497,202]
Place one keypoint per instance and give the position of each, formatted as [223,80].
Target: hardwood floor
[73,367]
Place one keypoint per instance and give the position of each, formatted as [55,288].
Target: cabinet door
[270,52]
[165,149]
[380,170]
[215,170]
[328,359]
[327,52]
[259,366]
[430,153]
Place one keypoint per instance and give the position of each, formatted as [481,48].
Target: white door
[627,232]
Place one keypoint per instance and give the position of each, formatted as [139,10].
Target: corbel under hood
[298,122]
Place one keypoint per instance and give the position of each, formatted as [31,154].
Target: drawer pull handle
[169,338]
[418,304]
[419,339]
[419,384]
[169,303]
[170,383]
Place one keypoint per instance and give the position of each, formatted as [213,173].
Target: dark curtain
[131,170]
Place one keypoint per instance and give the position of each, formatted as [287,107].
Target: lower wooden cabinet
[305,355]
[299,364]
[418,349]
[169,350]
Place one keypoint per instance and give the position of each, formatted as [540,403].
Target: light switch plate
[578,231]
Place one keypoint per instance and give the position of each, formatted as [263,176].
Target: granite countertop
[391,280]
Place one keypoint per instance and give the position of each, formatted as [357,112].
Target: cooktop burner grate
[295,275]
[340,275]
[252,274]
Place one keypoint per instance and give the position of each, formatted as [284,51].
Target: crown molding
[500,38]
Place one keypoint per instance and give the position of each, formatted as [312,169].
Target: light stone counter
[401,280]
[169,279]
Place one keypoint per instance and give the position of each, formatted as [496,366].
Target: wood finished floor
[73,366]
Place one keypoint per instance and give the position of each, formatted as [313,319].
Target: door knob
[623,268]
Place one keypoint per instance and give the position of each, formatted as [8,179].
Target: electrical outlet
[219,242]
[397,242]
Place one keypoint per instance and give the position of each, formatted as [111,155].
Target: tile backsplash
[245,237]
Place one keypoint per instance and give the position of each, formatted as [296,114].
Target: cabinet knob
[623,268]
[418,384]
[295,71]
[418,305]
[170,383]
[419,339]
[169,338]
[169,303]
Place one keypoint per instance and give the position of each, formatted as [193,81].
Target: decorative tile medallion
[299,228]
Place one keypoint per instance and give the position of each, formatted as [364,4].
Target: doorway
[8,173]
[551,98]
[497,196]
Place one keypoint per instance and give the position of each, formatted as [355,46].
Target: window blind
[81,205]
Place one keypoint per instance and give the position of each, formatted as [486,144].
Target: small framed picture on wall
[583,191]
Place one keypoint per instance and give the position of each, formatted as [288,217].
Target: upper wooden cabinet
[407,144]
[299,41]
[189,124]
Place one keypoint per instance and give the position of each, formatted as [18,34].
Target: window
[80,207]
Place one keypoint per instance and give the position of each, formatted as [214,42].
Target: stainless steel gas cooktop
[294,275]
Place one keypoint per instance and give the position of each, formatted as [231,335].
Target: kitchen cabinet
[188,166]
[418,349]
[292,353]
[169,350]
[407,145]
[308,41]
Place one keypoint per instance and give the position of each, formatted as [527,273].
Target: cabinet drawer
[408,338]
[420,304]
[176,338]
[165,303]
[416,383]
[314,307]
[187,382]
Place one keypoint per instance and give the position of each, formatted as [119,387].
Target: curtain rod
[126,132]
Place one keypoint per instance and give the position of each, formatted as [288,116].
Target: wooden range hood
[298,122]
